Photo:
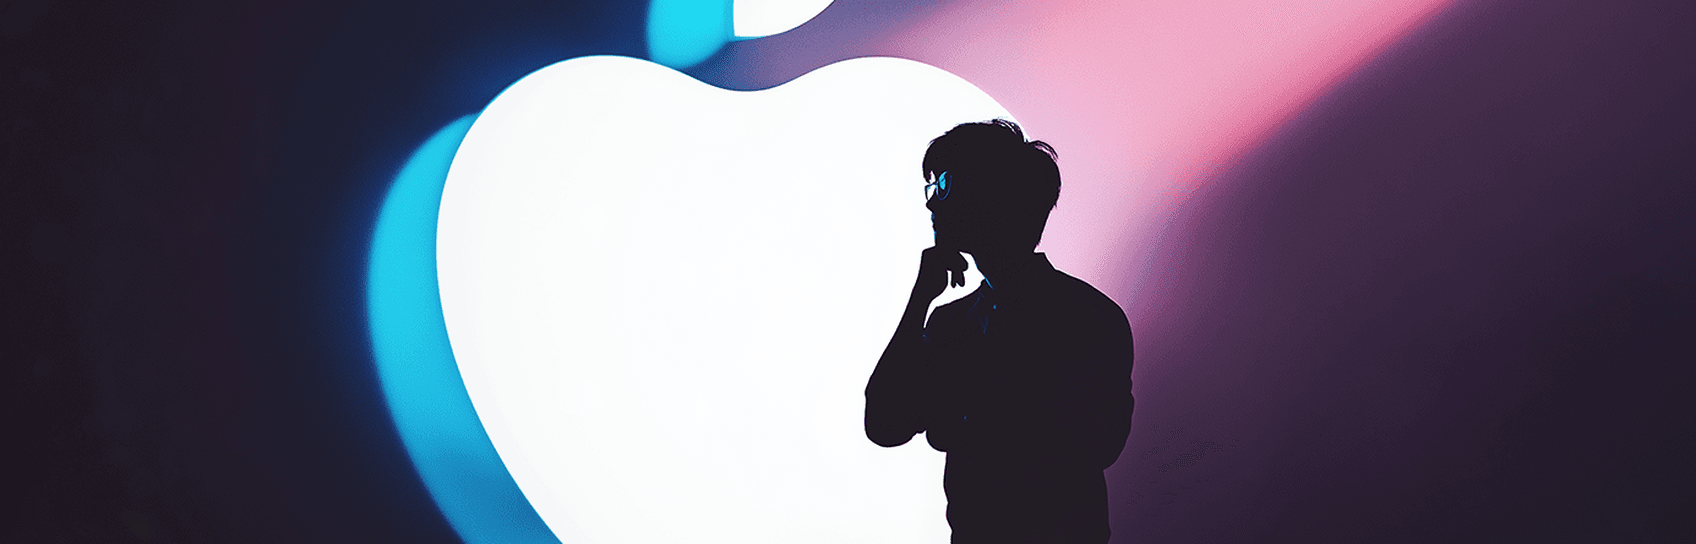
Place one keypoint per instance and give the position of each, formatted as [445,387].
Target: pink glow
[1147,99]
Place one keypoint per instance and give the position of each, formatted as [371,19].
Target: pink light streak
[1146,100]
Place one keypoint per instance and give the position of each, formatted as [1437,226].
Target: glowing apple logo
[663,300]
[665,297]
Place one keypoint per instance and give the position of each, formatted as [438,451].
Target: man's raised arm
[898,400]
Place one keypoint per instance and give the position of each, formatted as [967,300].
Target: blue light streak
[421,381]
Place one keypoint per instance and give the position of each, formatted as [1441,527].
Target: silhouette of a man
[1026,382]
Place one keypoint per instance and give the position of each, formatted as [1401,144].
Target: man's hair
[1015,177]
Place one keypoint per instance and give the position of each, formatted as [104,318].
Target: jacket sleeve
[897,394]
[1115,401]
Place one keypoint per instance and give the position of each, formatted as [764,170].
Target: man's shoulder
[1079,297]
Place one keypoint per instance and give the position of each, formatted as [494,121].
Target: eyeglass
[937,189]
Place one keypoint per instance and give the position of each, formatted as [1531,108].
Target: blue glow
[420,379]
[682,33]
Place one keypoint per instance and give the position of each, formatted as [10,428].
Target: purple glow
[1146,100]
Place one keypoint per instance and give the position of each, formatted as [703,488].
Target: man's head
[998,191]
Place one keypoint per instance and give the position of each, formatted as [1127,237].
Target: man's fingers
[947,262]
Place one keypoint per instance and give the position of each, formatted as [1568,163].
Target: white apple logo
[665,297]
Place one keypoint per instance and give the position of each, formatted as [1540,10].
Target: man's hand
[938,268]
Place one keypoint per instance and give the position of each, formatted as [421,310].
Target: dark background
[1451,301]
[192,188]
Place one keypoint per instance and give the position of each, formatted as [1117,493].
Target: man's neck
[1008,270]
